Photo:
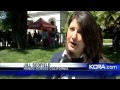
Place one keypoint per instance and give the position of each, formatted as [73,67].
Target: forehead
[74,23]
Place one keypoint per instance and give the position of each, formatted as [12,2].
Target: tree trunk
[19,27]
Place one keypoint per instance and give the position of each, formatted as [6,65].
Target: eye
[72,29]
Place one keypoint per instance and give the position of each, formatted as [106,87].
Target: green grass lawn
[10,55]
[30,55]
[41,55]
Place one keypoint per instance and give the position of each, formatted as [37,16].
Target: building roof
[39,13]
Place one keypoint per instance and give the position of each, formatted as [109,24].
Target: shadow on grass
[42,48]
[14,49]
[20,51]
[108,52]
[26,51]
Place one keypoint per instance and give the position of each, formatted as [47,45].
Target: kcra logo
[96,66]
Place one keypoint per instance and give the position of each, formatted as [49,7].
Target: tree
[66,25]
[106,19]
[19,27]
[2,18]
[17,21]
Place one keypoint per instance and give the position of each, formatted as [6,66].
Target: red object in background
[41,24]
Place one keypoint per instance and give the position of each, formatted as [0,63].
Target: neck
[74,55]
[74,58]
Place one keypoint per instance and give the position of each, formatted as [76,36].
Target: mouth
[73,44]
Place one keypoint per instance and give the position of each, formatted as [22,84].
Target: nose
[74,35]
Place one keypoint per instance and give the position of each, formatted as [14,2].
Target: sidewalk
[109,44]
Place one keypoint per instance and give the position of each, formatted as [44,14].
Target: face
[74,39]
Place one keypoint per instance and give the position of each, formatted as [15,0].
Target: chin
[71,49]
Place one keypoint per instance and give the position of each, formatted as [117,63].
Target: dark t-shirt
[52,34]
[57,58]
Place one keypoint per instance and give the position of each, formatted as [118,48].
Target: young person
[84,43]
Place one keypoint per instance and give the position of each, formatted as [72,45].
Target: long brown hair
[91,34]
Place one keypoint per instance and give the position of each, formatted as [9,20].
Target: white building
[58,18]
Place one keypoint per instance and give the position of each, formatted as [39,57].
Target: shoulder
[56,57]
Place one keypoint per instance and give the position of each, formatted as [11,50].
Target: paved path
[110,44]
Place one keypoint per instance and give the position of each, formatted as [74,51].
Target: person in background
[52,39]
[29,39]
[116,35]
[35,37]
[45,38]
[39,38]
